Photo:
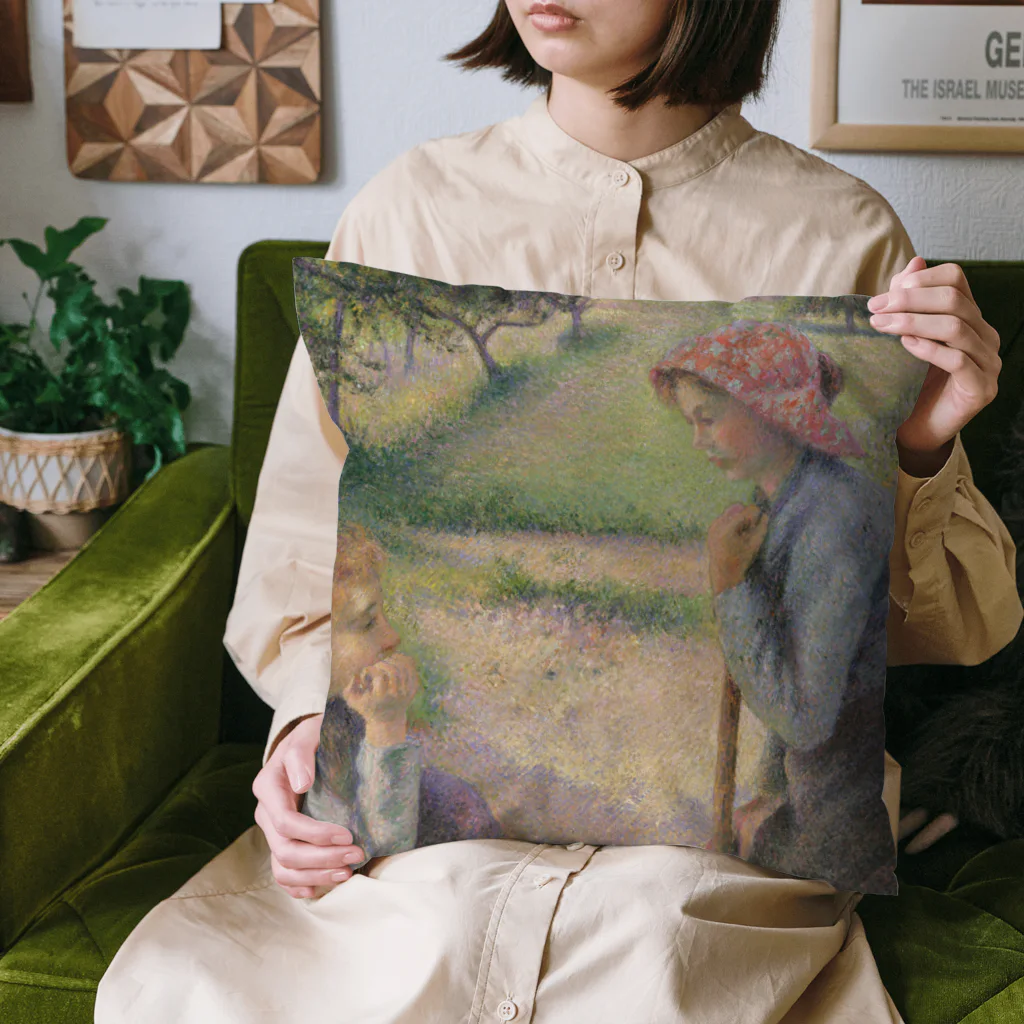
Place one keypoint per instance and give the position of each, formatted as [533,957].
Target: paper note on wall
[147,24]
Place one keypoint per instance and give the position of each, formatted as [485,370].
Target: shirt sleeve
[953,589]
[278,631]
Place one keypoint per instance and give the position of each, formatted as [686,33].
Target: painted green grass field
[547,571]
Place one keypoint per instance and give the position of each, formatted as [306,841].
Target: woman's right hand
[381,695]
[734,540]
[305,854]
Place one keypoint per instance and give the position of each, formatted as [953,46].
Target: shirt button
[575,846]
[616,260]
[620,178]
[917,540]
[541,880]
[507,1010]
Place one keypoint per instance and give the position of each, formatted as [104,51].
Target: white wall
[385,90]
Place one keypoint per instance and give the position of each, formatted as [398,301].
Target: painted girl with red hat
[800,584]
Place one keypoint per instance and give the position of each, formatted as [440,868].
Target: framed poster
[918,75]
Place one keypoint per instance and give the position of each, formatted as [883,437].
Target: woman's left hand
[929,830]
[934,312]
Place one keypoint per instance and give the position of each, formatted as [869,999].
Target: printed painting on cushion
[613,572]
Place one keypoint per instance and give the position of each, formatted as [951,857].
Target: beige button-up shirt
[503,930]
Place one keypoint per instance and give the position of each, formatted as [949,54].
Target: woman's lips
[551,18]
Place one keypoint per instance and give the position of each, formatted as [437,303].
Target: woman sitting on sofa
[633,176]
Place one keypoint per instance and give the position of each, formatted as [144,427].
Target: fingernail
[340,876]
[351,858]
[342,840]
[878,303]
[881,320]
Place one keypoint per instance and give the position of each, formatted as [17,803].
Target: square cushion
[612,572]
[51,972]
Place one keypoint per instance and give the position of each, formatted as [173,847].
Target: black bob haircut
[714,52]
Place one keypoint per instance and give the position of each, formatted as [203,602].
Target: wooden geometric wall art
[248,112]
[15,79]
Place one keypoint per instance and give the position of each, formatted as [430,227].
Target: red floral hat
[773,369]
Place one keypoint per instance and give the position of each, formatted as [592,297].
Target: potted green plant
[93,413]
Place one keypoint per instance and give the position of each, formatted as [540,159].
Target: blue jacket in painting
[804,639]
[385,796]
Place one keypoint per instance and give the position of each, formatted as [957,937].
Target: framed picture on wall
[15,81]
[918,75]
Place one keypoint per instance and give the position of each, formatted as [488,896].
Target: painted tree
[319,313]
[847,306]
[327,301]
[397,304]
[575,306]
[441,316]
[478,313]
[410,348]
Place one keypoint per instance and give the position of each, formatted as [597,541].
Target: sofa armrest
[110,682]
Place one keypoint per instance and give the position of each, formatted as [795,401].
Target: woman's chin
[571,58]
[556,60]
[727,467]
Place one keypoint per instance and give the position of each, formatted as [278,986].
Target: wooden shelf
[20,581]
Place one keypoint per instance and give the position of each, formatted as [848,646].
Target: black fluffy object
[965,754]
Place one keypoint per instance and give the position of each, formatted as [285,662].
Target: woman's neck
[771,478]
[592,117]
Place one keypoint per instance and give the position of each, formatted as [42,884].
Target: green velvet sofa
[128,742]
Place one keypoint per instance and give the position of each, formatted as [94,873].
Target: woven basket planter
[63,472]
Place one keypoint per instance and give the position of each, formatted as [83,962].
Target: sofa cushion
[998,288]
[110,682]
[267,331]
[956,954]
[51,973]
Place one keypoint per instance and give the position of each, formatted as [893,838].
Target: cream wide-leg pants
[493,930]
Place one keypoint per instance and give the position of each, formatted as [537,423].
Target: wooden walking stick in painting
[724,795]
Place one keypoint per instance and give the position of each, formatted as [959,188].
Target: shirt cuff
[304,694]
[923,508]
[924,505]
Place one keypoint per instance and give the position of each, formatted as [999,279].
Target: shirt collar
[686,159]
